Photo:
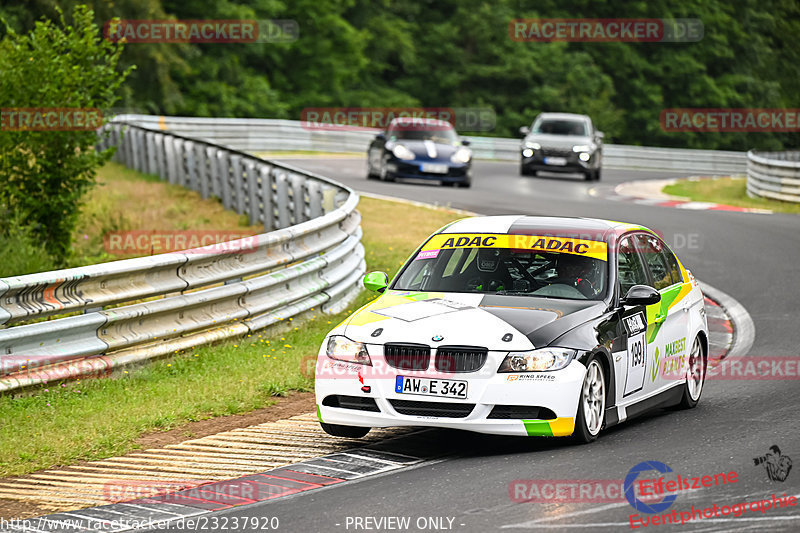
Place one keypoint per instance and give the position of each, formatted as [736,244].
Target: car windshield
[560,127]
[441,135]
[551,267]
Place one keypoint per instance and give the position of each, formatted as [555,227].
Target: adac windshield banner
[536,243]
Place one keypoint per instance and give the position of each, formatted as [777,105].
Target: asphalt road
[754,258]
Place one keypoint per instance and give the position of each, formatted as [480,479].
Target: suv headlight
[533,146]
[541,360]
[343,349]
[462,155]
[401,152]
[582,148]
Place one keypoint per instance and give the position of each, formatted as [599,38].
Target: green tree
[45,173]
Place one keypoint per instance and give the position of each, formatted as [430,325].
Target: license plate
[557,161]
[433,168]
[447,388]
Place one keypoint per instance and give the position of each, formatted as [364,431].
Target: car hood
[429,149]
[497,322]
[559,141]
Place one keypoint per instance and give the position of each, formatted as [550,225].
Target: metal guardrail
[138,309]
[257,135]
[774,175]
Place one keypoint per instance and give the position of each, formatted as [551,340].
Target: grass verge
[729,191]
[63,423]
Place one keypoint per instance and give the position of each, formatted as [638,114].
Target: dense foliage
[458,53]
[45,173]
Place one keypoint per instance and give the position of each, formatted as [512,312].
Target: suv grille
[521,411]
[560,152]
[407,356]
[444,410]
[460,358]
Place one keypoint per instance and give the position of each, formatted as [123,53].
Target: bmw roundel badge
[437,338]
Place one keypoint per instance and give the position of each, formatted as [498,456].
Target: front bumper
[557,391]
[537,161]
[456,172]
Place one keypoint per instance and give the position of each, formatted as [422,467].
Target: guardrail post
[212,172]
[264,193]
[298,199]
[190,177]
[233,184]
[250,193]
[169,152]
[282,198]
[223,170]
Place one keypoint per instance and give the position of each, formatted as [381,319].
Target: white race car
[519,325]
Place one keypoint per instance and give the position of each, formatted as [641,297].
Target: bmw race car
[519,325]
[420,148]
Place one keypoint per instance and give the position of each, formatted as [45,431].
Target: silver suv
[562,142]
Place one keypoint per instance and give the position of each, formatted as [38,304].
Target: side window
[652,250]
[672,263]
[630,270]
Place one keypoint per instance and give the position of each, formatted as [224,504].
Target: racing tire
[464,184]
[349,432]
[524,171]
[596,176]
[370,174]
[695,377]
[385,175]
[588,175]
[448,183]
[591,403]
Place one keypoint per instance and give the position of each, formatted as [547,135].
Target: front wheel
[350,432]
[592,403]
[695,376]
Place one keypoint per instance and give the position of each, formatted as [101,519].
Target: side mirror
[599,134]
[376,281]
[466,142]
[524,130]
[380,137]
[641,295]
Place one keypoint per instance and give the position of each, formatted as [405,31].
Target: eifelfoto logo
[776,464]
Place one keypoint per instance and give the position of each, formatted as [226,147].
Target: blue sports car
[419,148]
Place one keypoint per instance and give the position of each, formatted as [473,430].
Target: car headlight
[533,146]
[343,349]
[582,148]
[401,152]
[527,152]
[584,156]
[462,155]
[540,360]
